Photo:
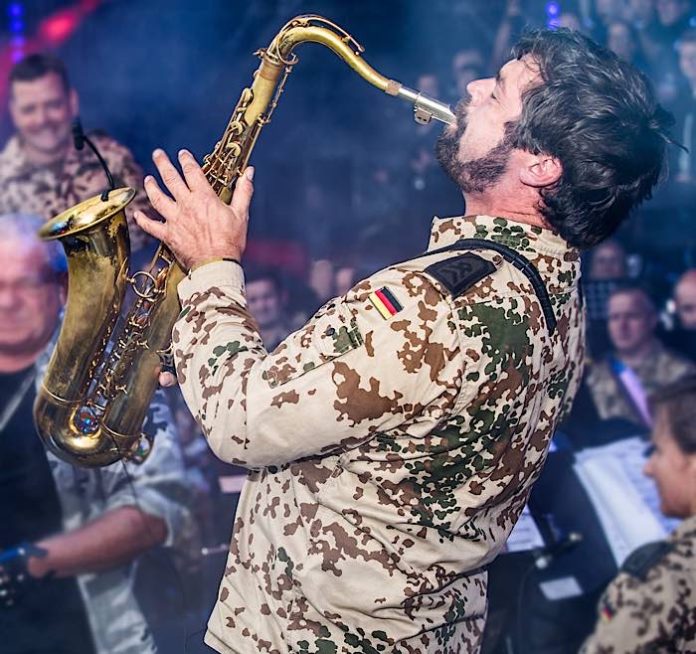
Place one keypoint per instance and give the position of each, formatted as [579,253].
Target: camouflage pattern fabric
[158,488]
[659,368]
[390,457]
[656,613]
[49,190]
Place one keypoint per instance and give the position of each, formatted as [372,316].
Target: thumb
[243,191]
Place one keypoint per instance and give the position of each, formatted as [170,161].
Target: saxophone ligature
[104,369]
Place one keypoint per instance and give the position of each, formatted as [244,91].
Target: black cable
[79,139]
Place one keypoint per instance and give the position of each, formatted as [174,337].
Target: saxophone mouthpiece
[425,108]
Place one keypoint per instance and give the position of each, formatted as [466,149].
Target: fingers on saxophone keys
[243,192]
[170,175]
[158,198]
[153,227]
[193,174]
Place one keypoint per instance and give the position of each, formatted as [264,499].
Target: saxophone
[98,385]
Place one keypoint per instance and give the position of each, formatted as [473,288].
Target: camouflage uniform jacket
[49,190]
[391,456]
[653,610]
[660,368]
[158,488]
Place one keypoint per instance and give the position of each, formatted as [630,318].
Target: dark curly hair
[599,116]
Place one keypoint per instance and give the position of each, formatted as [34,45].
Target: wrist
[36,560]
[202,262]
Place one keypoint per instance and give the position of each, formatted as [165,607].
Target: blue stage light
[15,9]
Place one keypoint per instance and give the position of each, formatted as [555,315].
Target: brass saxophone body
[98,385]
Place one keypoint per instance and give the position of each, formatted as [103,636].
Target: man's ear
[540,171]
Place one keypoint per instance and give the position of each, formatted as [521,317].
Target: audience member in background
[649,607]
[606,268]
[623,40]
[321,279]
[638,365]
[41,171]
[267,304]
[682,164]
[467,65]
[71,536]
[673,18]
[509,29]
[642,13]
[685,300]
[682,337]
[608,261]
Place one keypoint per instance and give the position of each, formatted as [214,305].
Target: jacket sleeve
[157,486]
[348,375]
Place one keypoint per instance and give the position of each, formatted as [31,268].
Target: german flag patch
[384,301]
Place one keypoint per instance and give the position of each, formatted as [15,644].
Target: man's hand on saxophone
[198,227]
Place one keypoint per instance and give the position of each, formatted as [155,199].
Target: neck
[633,358]
[485,204]
[41,157]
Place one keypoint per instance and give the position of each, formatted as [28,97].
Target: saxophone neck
[320,30]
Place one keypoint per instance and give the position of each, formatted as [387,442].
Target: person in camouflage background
[393,440]
[650,606]
[94,524]
[632,321]
[41,171]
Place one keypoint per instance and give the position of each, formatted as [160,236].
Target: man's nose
[9,299]
[478,88]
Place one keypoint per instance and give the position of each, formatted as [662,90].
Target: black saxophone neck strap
[524,265]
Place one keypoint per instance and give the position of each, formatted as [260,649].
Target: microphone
[545,555]
[78,134]
[79,140]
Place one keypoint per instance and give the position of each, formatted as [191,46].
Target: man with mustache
[41,172]
[393,440]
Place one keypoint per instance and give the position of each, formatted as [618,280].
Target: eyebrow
[500,81]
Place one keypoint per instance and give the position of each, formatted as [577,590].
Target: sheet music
[626,501]
[525,535]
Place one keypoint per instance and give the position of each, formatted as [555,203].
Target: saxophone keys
[236,128]
[246,97]
[234,148]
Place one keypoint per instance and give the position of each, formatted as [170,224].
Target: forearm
[115,538]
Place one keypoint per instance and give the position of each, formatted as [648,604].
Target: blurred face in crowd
[672,11]
[30,302]
[685,298]
[467,66]
[609,10]
[642,11]
[687,61]
[429,84]
[265,302]
[672,469]
[474,152]
[608,262]
[631,322]
[620,40]
[42,110]
[569,21]
[345,279]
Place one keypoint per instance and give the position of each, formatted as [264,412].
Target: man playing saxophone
[392,442]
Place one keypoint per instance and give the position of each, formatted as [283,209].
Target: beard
[475,175]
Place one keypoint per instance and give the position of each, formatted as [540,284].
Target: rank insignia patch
[384,301]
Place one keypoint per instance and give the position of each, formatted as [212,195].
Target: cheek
[59,116]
